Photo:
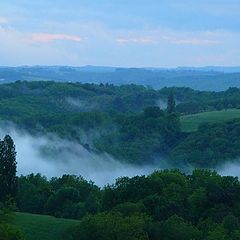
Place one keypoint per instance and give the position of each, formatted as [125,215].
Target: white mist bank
[230,169]
[52,156]
[81,105]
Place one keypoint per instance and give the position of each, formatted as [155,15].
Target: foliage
[7,230]
[171,104]
[164,205]
[108,226]
[8,167]
[210,146]
[68,196]
[151,133]
[125,121]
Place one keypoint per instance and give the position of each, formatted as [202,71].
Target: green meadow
[41,227]
[190,123]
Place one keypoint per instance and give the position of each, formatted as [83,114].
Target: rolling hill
[41,227]
[190,123]
[209,78]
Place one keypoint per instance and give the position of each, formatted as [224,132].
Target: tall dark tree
[119,105]
[153,112]
[8,166]
[171,104]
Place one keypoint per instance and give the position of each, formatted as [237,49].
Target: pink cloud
[47,37]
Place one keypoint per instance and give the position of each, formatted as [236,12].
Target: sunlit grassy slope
[41,227]
[190,123]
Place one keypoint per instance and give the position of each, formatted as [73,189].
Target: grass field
[190,123]
[41,227]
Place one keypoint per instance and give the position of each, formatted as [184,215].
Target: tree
[217,234]
[8,166]
[10,232]
[175,228]
[7,230]
[153,112]
[230,223]
[119,104]
[171,104]
[109,226]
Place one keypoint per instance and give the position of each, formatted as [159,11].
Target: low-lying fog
[52,156]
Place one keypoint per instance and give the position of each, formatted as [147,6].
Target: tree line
[167,204]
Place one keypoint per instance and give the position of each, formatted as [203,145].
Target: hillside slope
[41,227]
[190,123]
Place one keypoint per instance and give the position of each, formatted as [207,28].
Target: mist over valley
[103,131]
[120,120]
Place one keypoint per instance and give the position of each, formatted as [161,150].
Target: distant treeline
[208,79]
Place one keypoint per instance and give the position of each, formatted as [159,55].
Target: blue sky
[130,33]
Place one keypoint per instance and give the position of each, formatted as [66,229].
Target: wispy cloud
[3,20]
[158,38]
[138,40]
[191,41]
[102,45]
[47,37]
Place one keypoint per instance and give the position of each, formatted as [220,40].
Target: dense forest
[119,120]
[130,122]
[136,125]
[168,204]
[164,205]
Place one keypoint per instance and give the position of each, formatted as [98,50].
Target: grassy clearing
[190,123]
[41,227]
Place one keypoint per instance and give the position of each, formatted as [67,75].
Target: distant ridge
[93,68]
[203,78]
[212,68]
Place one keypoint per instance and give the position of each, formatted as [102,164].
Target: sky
[126,33]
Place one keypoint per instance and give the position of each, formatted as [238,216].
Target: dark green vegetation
[66,197]
[166,205]
[40,227]
[126,121]
[8,169]
[8,231]
[210,146]
[8,189]
[142,136]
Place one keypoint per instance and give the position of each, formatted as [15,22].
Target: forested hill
[209,78]
[130,122]
[165,205]
[88,97]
